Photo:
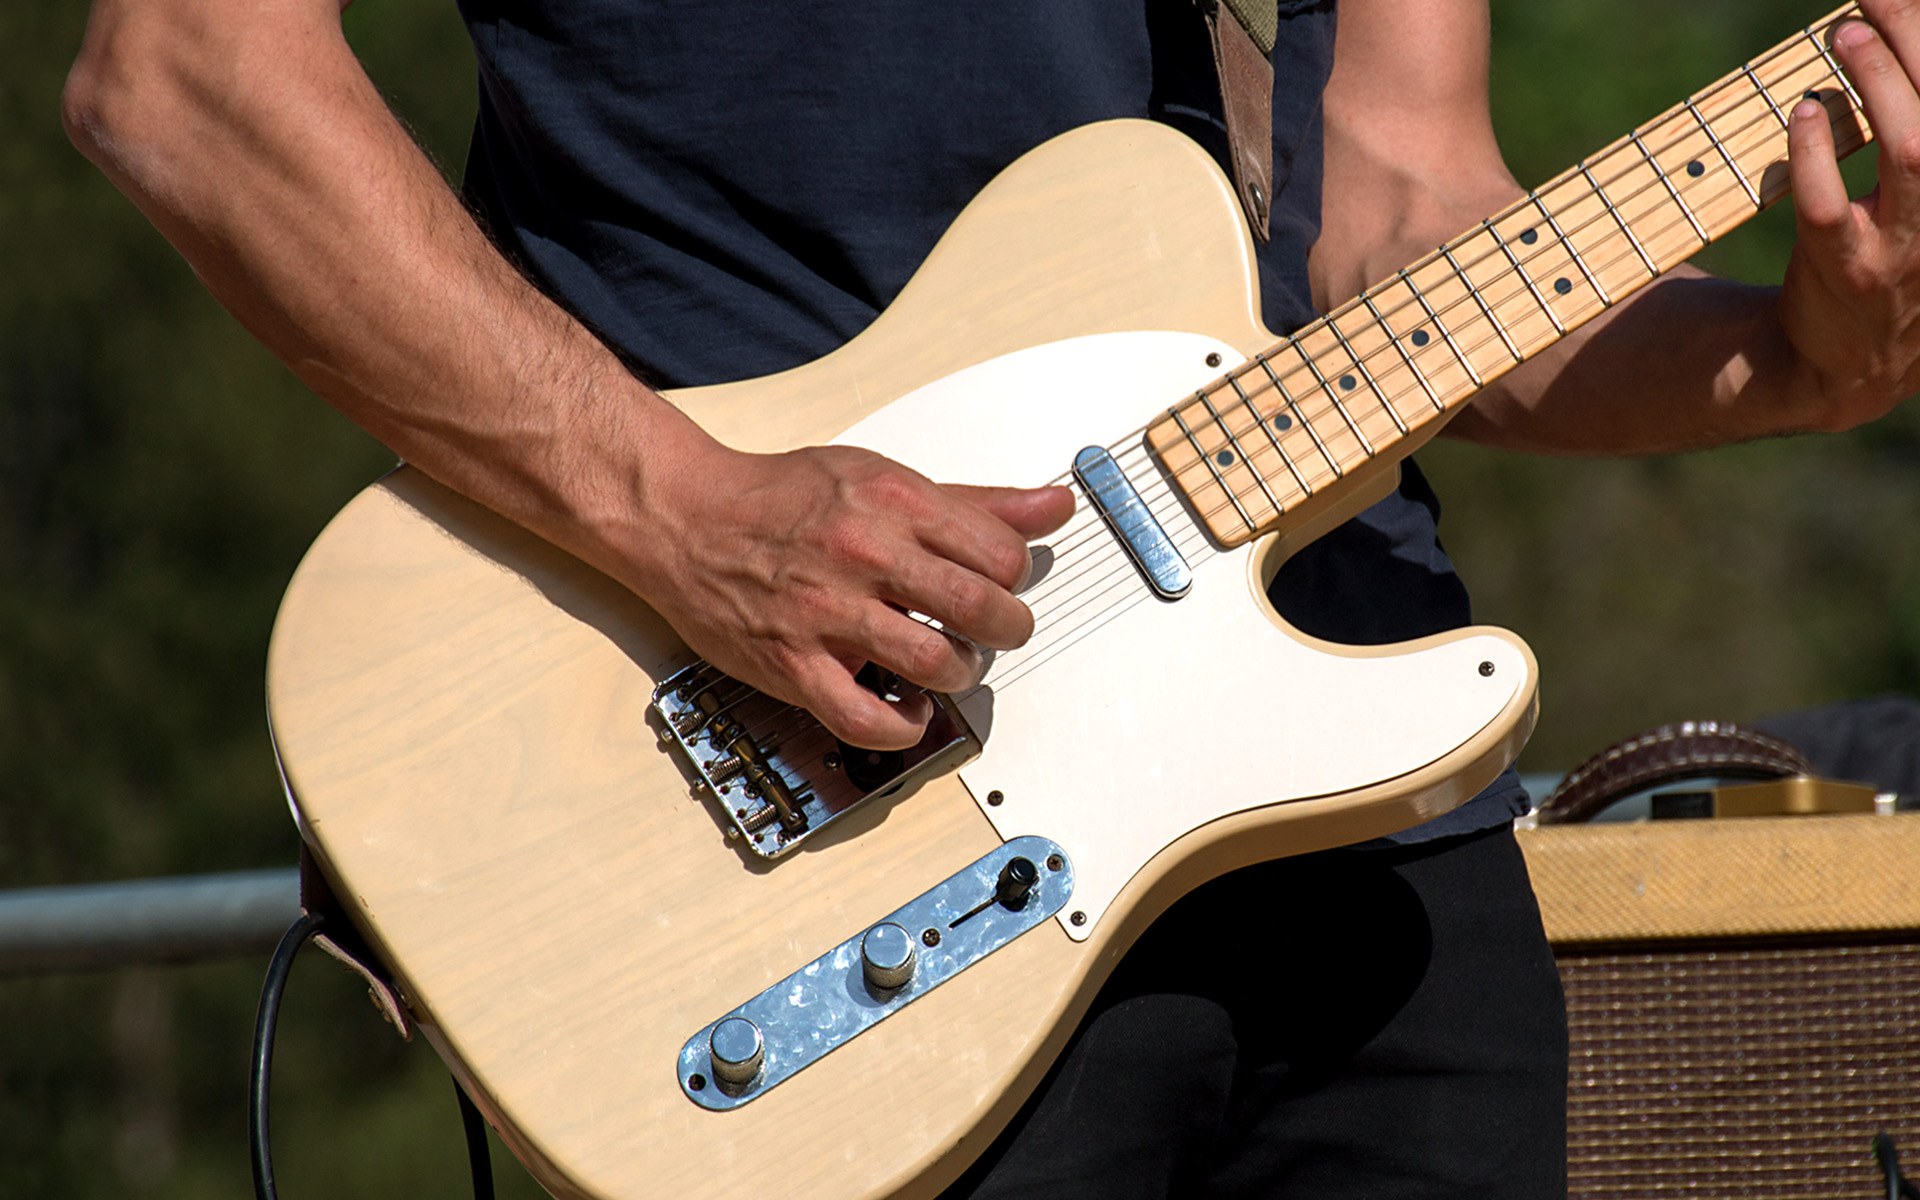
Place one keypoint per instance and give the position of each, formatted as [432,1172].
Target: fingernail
[1807,110]
[1854,33]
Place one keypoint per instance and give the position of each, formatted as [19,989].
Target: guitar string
[1703,126]
[1317,407]
[1477,294]
[1120,561]
[1046,613]
[1386,399]
[1565,243]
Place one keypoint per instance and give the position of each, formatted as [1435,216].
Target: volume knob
[886,956]
[736,1049]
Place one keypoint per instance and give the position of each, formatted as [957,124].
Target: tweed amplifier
[1743,998]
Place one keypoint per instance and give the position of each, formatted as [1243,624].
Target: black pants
[1358,1023]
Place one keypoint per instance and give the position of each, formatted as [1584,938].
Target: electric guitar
[676,940]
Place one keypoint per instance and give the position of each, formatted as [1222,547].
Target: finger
[969,536]
[1893,110]
[962,601]
[917,652]
[979,539]
[1031,512]
[1819,194]
[857,716]
[1898,21]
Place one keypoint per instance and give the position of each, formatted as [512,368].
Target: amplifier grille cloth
[1741,1072]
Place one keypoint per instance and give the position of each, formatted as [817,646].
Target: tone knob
[886,956]
[736,1049]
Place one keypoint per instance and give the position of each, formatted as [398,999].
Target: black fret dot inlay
[1224,458]
[1420,337]
[1816,97]
[1282,422]
[1346,383]
[1563,286]
[1696,168]
[1530,236]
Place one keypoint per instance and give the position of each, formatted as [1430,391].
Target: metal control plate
[828,1002]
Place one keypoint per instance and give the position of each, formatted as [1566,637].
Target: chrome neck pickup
[775,772]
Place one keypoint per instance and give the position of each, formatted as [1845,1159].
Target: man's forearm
[1690,362]
[250,136]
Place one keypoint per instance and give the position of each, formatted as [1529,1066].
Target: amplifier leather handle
[1667,754]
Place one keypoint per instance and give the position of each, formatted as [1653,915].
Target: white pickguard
[1172,714]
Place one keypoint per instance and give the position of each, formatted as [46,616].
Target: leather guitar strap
[339,939]
[1243,33]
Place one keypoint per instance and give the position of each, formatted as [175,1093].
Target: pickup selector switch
[886,956]
[1017,879]
[736,1049]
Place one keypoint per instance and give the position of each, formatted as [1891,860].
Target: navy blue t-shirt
[725,191]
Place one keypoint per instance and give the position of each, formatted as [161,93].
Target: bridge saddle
[774,770]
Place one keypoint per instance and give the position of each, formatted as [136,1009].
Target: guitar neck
[1382,371]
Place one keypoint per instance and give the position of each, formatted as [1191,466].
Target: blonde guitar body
[461,713]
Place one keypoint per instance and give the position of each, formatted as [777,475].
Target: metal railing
[186,918]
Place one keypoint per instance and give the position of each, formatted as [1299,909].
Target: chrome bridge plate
[774,770]
[829,1001]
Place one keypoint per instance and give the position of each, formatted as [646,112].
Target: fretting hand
[1850,305]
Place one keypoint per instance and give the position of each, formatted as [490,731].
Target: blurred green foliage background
[160,476]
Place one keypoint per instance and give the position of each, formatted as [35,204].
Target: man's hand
[790,571]
[1850,305]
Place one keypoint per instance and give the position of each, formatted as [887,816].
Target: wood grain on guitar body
[615,888]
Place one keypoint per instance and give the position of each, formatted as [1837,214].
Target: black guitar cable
[478,1160]
[259,1136]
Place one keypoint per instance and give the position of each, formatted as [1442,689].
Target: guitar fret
[1394,338]
[1573,252]
[1333,396]
[1473,291]
[1765,95]
[1672,191]
[1833,66]
[1552,317]
[1724,156]
[1619,220]
[1465,362]
[1367,375]
[1300,416]
[1213,470]
[1262,422]
[1245,458]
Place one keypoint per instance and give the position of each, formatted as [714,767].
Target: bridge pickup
[1133,523]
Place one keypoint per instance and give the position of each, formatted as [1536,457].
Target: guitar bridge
[776,773]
